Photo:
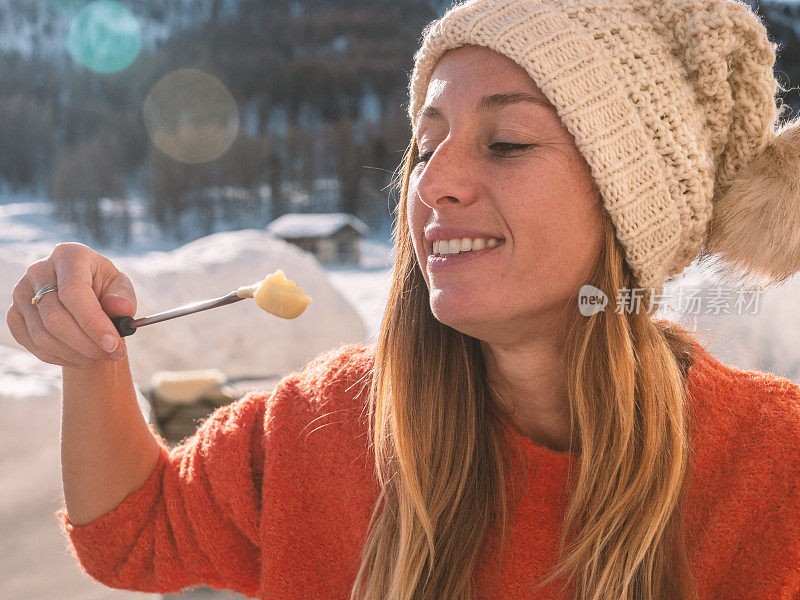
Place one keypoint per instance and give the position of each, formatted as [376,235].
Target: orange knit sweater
[272,495]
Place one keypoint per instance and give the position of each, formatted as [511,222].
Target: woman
[495,442]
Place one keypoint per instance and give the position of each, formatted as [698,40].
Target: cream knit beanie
[672,104]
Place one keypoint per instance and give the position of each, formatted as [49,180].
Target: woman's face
[500,169]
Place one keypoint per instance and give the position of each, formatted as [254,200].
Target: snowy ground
[366,287]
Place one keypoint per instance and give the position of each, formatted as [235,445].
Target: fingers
[16,323]
[78,297]
[34,336]
[69,326]
[56,319]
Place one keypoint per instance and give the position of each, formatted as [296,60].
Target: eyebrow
[493,102]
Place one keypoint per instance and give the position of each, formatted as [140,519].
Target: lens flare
[191,116]
[104,36]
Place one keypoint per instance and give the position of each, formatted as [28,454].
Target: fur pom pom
[755,224]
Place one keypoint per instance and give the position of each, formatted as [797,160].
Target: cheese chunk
[281,297]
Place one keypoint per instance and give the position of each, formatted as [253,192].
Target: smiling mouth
[445,248]
[436,262]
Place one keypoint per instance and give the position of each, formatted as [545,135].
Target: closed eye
[508,147]
[502,149]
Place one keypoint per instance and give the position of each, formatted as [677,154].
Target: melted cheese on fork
[277,295]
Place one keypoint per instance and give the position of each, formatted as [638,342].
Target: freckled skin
[540,200]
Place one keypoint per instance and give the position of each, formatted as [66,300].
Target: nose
[449,176]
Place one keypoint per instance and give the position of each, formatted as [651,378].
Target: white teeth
[456,245]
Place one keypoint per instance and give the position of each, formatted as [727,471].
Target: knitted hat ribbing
[672,105]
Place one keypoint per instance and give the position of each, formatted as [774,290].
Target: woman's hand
[72,326]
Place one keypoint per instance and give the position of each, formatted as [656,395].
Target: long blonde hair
[442,462]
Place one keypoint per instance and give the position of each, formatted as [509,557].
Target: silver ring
[48,288]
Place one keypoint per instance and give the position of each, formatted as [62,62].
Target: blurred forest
[320,86]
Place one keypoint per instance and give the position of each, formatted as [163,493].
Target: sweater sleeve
[194,521]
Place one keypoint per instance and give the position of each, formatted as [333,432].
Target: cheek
[580,239]
[562,235]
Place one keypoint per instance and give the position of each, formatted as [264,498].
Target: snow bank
[240,339]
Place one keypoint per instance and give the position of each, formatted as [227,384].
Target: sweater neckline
[530,448]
